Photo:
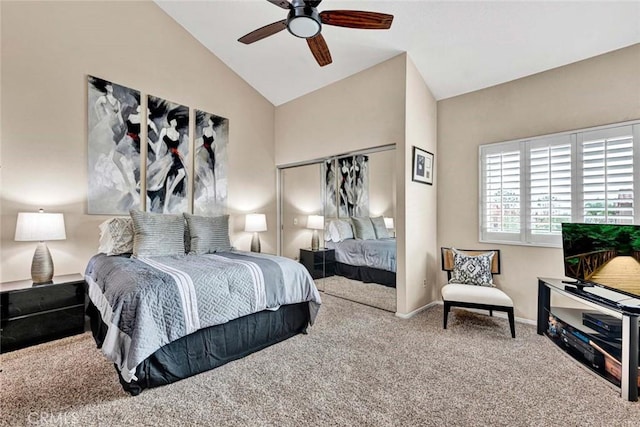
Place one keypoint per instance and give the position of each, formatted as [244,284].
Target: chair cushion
[454,292]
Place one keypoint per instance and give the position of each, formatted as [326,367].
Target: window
[528,188]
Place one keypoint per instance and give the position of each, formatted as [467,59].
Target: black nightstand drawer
[36,328]
[35,314]
[41,298]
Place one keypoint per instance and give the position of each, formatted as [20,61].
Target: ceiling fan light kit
[305,22]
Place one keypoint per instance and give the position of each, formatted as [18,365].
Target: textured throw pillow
[472,270]
[380,228]
[116,236]
[341,230]
[363,228]
[157,234]
[208,234]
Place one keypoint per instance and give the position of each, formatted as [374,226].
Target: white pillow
[116,236]
[340,230]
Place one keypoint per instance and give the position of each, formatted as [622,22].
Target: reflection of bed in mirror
[369,261]
[363,248]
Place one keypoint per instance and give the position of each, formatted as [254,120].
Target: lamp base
[315,241]
[255,242]
[42,265]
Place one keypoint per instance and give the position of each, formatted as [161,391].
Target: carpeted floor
[372,294]
[357,366]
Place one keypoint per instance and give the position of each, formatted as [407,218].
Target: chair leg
[512,323]
[447,307]
[491,313]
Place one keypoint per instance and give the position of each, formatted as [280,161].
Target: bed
[165,318]
[369,261]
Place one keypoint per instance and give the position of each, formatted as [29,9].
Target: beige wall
[48,49]
[417,207]
[301,197]
[382,183]
[597,91]
[362,111]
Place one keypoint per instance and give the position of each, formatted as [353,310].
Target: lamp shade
[40,226]
[255,223]
[315,222]
[388,223]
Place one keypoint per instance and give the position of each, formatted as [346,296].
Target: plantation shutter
[607,171]
[501,192]
[549,187]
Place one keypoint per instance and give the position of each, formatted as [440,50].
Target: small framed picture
[422,166]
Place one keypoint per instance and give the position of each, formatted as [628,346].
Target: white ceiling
[458,47]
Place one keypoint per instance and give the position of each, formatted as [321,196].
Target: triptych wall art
[115,178]
[347,186]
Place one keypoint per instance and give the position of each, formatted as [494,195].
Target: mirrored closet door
[348,202]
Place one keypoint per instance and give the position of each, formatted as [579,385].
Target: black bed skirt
[210,347]
[366,274]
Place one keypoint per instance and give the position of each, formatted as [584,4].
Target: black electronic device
[607,255]
[603,323]
[578,342]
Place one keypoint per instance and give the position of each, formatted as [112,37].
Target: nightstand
[320,263]
[32,314]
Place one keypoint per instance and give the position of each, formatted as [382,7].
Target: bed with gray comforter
[147,303]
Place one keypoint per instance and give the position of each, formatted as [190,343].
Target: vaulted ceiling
[458,47]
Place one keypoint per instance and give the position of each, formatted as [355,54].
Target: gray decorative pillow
[472,270]
[363,228]
[157,234]
[380,228]
[116,236]
[208,234]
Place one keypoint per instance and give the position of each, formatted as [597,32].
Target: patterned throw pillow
[116,236]
[363,228]
[157,234]
[380,228]
[472,270]
[208,234]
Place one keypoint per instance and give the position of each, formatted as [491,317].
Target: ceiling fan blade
[312,3]
[266,31]
[320,50]
[281,3]
[357,19]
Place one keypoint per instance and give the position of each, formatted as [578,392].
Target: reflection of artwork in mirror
[210,169]
[353,188]
[168,141]
[330,185]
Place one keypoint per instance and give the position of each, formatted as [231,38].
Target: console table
[611,304]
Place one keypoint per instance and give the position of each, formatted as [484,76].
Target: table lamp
[255,223]
[315,222]
[40,227]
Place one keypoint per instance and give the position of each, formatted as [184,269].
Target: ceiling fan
[305,22]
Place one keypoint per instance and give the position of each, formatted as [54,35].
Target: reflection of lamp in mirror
[388,223]
[315,222]
[40,227]
[255,223]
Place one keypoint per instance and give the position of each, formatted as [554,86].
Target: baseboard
[418,310]
[495,314]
